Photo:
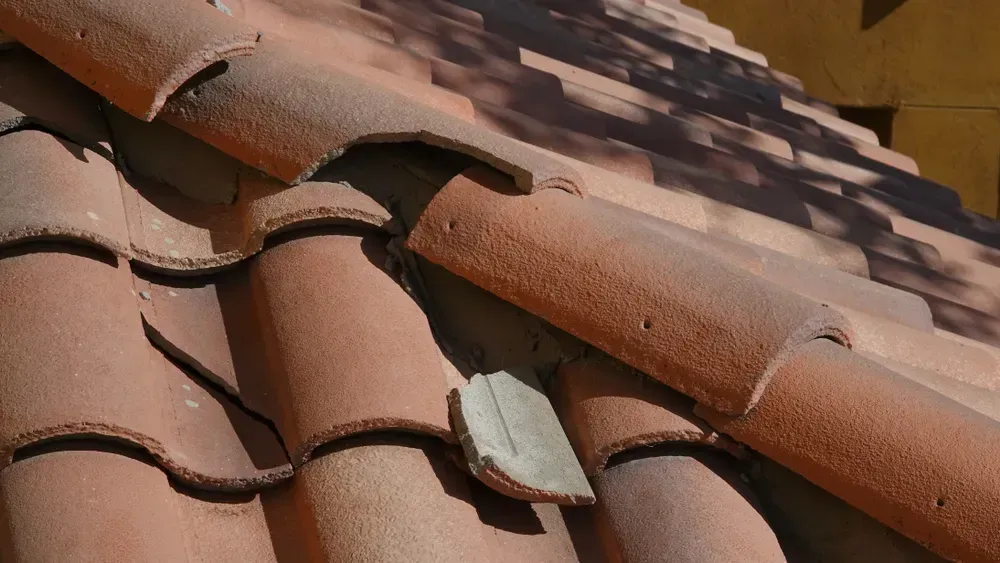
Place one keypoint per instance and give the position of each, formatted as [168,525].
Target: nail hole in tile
[646,324]
[81,34]
[451,225]
[940,502]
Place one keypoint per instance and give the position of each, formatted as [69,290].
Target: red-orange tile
[349,350]
[105,45]
[681,508]
[515,247]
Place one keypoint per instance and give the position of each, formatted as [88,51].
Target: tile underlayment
[281,319]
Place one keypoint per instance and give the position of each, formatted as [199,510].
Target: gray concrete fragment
[513,440]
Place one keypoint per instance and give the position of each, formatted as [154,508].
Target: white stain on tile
[93,216]
[169,240]
[173,293]
[186,387]
[157,225]
[191,403]
[174,254]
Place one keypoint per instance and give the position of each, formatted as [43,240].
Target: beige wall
[936,60]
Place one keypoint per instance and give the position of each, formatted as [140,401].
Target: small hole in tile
[646,324]
[940,502]
[81,34]
[451,225]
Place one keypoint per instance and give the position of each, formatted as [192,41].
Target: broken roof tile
[117,387]
[718,218]
[105,45]
[652,329]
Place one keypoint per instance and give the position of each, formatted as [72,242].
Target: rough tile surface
[250,248]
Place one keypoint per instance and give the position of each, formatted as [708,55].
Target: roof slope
[253,253]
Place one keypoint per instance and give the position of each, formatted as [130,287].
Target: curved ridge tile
[33,92]
[684,509]
[348,349]
[622,288]
[171,232]
[94,383]
[905,454]
[135,54]
[53,188]
[607,409]
[329,109]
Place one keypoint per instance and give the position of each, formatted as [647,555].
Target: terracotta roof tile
[940,449]
[104,45]
[40,206]
[82,295]
[607,409]
[372,363]
[648,518]
[191,319]
[36,94]
[467,218]
[408,496]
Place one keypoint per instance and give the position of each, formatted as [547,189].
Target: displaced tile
[923,280]
[911,187]
[348,349]
[681,508]
[517,248]
[106,45]
[52,188]
[841,126]
[355,111]
[102,378]
[513,440]
[926,470]
[607,409]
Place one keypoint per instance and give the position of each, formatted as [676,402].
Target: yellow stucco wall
[916,55]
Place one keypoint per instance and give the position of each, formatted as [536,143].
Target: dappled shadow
[632,94]
[874,11]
